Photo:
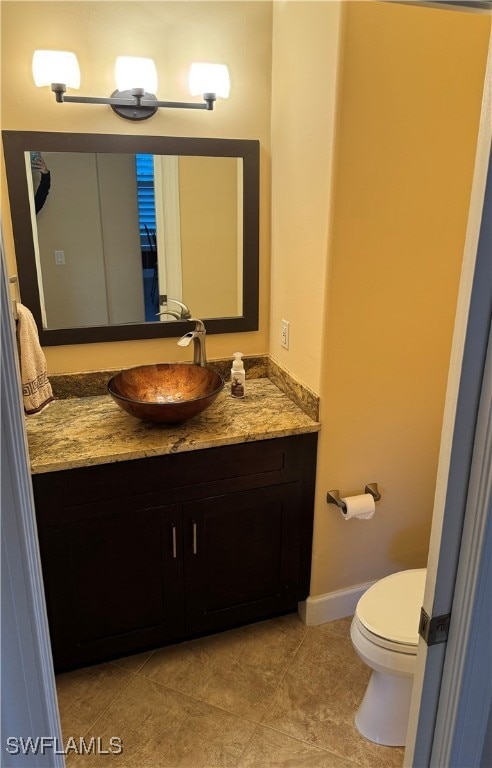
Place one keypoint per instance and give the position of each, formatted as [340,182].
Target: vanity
[151,535]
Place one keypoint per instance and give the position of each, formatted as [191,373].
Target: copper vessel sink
[166,393]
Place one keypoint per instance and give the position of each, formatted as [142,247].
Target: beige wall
[410,95]
[174,34]
[70,221]
[304,82]
[208,205]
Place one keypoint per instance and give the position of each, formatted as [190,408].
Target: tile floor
[276,694]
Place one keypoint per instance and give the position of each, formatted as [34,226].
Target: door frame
[27,681]
[168,235]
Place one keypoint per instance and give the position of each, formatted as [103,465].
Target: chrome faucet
[182,314]
[171,312]
[198,337]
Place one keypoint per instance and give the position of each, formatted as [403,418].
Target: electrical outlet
[284,333]
[59,257]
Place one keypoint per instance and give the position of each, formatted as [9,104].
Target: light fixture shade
[209,78]
[135,72]
[55,67]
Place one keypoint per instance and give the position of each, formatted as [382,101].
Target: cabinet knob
[175,549]
[195,548]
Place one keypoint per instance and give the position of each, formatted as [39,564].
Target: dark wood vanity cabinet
[140,553]
[111,584]
[243,557]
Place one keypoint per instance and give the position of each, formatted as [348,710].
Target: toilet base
[383,715]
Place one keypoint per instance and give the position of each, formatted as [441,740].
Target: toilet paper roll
[361,507]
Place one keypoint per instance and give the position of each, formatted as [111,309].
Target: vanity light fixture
[136,83]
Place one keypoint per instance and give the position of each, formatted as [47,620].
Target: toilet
[384,633]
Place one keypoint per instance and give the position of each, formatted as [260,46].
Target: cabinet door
[241,556]
[113,584]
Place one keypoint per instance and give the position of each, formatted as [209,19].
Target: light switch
[59,257]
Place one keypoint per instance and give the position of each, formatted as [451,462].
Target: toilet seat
[383,642]
[388,613]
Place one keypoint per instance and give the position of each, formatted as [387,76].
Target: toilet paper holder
[333,497]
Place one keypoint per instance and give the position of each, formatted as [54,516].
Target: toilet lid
[390,608]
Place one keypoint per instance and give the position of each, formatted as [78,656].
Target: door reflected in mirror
[120,236]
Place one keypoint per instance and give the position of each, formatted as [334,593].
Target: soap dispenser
[238,375]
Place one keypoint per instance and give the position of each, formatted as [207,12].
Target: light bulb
[209,78]
[135,72]
[55,67]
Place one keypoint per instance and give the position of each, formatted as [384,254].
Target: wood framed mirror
[93,266]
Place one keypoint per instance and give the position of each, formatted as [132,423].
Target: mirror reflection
[132,238]
[99,263]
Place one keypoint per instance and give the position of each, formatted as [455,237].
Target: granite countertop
[84,431]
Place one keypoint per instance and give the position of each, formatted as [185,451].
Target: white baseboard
[332,605]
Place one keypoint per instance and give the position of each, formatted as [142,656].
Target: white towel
[36,388]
